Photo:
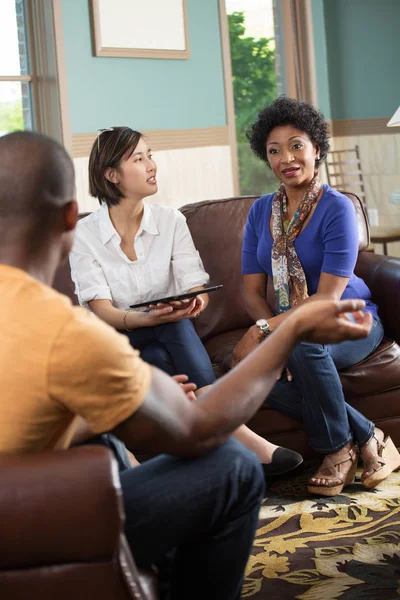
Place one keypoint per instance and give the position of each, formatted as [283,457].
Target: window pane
[15,106]
[13,41]
[252,42]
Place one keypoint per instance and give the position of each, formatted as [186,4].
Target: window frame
[47,76]
[27,78]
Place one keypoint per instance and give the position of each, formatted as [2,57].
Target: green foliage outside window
[254,87]
[11,116]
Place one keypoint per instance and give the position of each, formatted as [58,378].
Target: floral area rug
[316,548]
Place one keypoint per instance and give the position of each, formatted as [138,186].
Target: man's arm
[167,422]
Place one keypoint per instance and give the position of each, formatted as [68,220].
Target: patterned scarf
[290,283]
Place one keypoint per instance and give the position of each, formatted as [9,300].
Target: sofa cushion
[378,373]
[217,231]
[220,349]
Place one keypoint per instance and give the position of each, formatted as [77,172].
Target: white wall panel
[184,176]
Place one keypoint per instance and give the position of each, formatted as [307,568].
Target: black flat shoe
[283,461]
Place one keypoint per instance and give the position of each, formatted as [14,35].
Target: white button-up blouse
[167,260]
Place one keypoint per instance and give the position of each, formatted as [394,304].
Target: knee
[240,464]
[305,350]
[158,356]
[181,330]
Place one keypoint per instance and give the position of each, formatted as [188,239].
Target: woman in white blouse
[128,252]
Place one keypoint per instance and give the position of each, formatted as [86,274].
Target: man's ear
[71,213]
[111,175]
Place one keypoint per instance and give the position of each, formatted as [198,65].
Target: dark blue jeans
[316,396]
[176,349]
[205,509]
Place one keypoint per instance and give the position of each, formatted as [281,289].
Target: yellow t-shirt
[58,361]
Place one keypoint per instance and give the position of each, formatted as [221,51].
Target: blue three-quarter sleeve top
[328,243]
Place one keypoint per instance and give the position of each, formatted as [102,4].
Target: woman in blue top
[305,238]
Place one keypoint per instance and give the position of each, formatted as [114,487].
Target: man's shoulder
[54,311]
[23,292]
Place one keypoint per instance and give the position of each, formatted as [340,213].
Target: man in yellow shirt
[59,362]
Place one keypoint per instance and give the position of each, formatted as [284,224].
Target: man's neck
[43,268]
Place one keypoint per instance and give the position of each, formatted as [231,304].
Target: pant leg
[206,508]
[141,337]
[316,392]
[184,352]
[156,354]
[349,353]
[187,351]
[115,445]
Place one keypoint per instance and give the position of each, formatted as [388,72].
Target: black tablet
[183,296]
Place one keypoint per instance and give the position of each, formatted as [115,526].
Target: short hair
[287,111]
[108,150]
[36,180]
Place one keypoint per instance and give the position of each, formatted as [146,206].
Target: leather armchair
[372,386]
[61,531]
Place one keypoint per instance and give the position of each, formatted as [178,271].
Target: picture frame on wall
[137,29]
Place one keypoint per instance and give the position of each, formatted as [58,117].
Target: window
[251,26]
[33,92]
[15,73]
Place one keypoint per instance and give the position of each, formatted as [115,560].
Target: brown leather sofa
[372,386]
[61,532]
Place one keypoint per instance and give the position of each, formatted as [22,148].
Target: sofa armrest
[382,276]
[59,507]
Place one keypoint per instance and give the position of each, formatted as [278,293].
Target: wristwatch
[263,325]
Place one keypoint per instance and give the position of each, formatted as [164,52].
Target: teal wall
[362,54]
[145,93]
[321,57]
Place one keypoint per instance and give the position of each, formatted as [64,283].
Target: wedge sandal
[380,456]
[340,466]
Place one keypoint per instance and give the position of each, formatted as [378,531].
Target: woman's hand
[247,344]
[161,314]
[174,304]
[199,306]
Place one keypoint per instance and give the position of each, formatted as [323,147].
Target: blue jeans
[176,349]
[316,396]
[205,509]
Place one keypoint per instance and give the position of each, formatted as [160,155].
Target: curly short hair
[287,111]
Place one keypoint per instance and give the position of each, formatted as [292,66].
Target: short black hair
[287,111]
[36,180]
[109,148]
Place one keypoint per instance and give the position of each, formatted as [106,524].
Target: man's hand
[332,321]
[249,341]
[188,388]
